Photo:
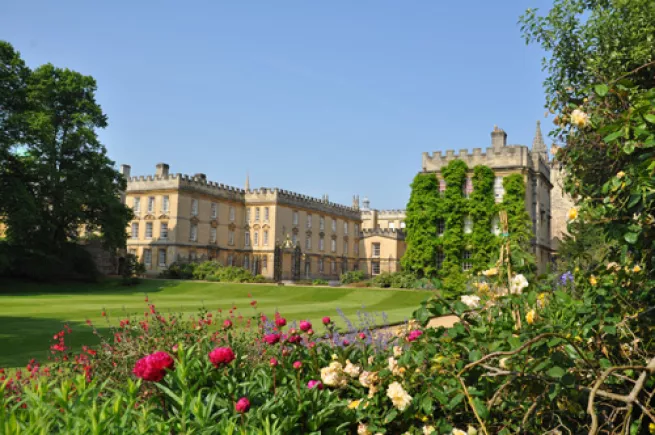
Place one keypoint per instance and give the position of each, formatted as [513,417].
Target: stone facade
[561,204]
[181,218]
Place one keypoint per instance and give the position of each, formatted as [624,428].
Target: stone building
[273,232]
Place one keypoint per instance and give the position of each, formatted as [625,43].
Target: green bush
[395,280]
[382,280]
[131,269]
[260,279]
[320,282]
[353,276]
[206,268]
[179,271]
[231,274]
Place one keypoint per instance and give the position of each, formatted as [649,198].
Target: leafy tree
[421,221]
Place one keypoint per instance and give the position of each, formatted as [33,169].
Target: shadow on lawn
[111,285]
[24,338]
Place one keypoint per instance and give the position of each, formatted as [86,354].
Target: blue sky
[336,97]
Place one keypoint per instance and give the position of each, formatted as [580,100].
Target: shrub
[320,282]
[231,274]
[395,280]
[131,269]
[202,270]
[382,280]
[353,276]
[179,271]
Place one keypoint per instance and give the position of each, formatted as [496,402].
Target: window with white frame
[440,258]
[467,264]
[309,221]
[392,225]
[162,258]
[265,237]
[147,257]
[468,187]
[375,249]
[163,230]
[441,227]
[214,210]
[333,245]
[255,238]
[165,204]
[193,233]
[334,225]
[266,214]
[321,223]
[248,214]
[230,237]
[136,205]
[295,217]
[499,190]
[402,225]
[308,243]
[265,262]
[232,214]
[495,225]
[321,243]
[375,268]
[320,265]
[151,204]
[194,207]
[246,238]
[345,227]
[135,230]
[212,235]
[294,239]
[468,224]
[256,214]
[148,230]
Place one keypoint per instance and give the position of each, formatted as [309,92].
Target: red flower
[327,320]
[227,324]
[253,303]
[221,355]
[318,384]
[305,325]
[153,367]
[104,314]
[272,338]
[297,365]
[242,405]
[280,321]
[346,342]
[413,335]
[273,362]
[362,336]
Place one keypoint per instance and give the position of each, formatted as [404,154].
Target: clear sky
[338,97]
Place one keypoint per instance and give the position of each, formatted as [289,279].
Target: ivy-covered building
[503,160]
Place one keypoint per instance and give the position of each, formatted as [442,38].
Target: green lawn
[31,313]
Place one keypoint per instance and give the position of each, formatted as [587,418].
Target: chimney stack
[125,171]
[162,170]
[201,176]
[498,138]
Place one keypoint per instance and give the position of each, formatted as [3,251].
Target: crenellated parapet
[392,233]
[506,157]
[194,183]
[297,200]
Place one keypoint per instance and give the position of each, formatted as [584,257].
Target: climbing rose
[579,118]
[221,355]
[327,320]
[318,384]
[242,405]
[413,335]
[398,396]
[272,338]
[153,367]
[305,325]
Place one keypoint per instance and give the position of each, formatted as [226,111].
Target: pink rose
[242,405]
[221,355]
[305,325]
[318,384]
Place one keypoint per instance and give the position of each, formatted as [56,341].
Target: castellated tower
[504,160]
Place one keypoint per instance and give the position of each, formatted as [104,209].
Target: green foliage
[320,282]
[482,208]
[179,270]
[401,279]
[206,268]
[420,221]
[585,247]
[231,274]
[352,276]
[131,269]
[72,262]
[518,223]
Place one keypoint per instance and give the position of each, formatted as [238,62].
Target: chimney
[125,171]
[498,138]
[201,176]
[162,170]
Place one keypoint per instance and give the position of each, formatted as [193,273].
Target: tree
[421,221]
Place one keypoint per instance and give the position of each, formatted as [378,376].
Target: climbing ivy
[427,206]
[420,223]
[519,223]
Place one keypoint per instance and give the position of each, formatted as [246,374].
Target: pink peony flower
[273,362]
[415,334]
[327,320]
[272,338]
[221,355]
[310,332]
[318,384]
[294,339]
[280,322]
[362,336]
[153,367]
[285,352]
[227,324]
[305,325]
[346,342]
[242,405]
[297,365]
[311,344]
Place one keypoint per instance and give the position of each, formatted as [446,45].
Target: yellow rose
[651,428]
[579,118]
[620,174]
[592,280]
[636,269]
[573,213]
[353,404]
[530,317]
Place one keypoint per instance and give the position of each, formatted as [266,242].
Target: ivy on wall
[427,206]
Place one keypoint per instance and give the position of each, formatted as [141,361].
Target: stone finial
[538,144]
[356,202]
[247,186]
